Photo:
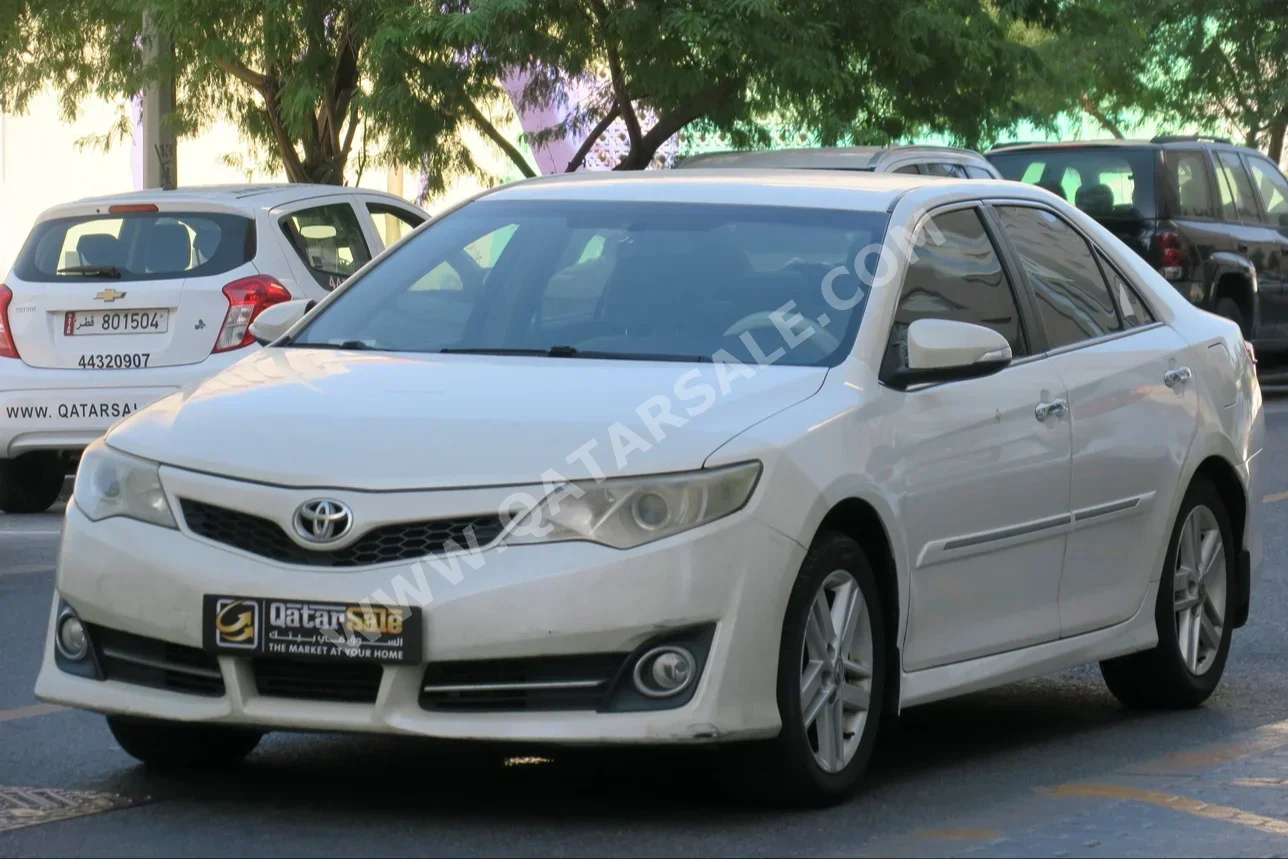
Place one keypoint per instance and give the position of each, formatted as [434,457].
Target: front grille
[403,541]
[151,662]
[578,682]
[349,682]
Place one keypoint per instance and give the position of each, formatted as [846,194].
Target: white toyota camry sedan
[698,457]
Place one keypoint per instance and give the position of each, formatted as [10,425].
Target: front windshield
[651,281]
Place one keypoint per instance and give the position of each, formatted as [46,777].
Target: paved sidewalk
[1229,799]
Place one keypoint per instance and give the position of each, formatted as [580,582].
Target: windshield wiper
[92,270]
[574,352]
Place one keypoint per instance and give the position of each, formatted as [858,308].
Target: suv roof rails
[1181,138]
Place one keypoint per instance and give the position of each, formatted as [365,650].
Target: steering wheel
[823,341]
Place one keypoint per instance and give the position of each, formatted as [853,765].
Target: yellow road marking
[961,834]
[29,712]
[1278,496]
[21,807]
[1268,825]
[1259,782]
[1264,739]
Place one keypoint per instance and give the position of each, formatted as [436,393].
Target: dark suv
[1211,217]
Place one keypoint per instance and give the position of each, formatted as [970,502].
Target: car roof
[813,189]
[1164,142]
[834,157]
[246,198]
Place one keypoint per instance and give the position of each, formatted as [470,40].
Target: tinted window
[1273,188]
[661,280]
[1105,182]
[140,246]
[1131,307]
[936,168]
[977,172]
[1187,185]
[329,240]
[1236,188]
[908,168]
[392,222]
[1072,296]
[958,278]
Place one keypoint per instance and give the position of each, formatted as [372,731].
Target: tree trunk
[1097,114]
[1275,146]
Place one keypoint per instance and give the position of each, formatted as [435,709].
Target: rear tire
[1229,308]
[818,760]
[31,483]
[180,745]
[1193,613]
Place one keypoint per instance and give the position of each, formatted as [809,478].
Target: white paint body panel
[939,467]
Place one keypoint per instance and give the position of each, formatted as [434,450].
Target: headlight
[628,512]
[110,483]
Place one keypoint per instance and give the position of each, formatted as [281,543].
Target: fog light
[665,671]
[71,640]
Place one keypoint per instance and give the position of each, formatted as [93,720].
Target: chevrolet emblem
[109,295]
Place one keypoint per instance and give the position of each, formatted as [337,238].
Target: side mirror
[278,319]
[942,350]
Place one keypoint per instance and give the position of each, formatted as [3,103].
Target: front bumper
[48,409]
[524,601]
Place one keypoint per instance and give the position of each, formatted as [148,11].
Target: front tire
[1195,602]
[31,483]
[180,745]
[831,676]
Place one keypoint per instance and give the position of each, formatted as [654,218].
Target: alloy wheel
[836,671]
[1200,589]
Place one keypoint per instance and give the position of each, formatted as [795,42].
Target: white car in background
[783,478]
[116,301]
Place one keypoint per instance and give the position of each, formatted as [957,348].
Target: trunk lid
[126,290]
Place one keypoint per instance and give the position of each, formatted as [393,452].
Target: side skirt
[960,678]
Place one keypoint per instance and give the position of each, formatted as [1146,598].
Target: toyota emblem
[323,520]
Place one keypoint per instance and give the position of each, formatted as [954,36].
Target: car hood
[356,420]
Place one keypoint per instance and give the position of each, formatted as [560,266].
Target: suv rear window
[136,246]
[1105,182]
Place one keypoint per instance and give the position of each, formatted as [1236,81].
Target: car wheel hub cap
[836,671]
[1200,591]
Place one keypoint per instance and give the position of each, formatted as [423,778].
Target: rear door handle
[1055,408]
[1177,376]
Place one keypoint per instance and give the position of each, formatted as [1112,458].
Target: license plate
[310,629]
[80,322]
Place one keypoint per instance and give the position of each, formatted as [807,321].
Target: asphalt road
[952,778]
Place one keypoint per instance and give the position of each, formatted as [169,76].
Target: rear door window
[136,246]
[1273,188]
[977,172]
[1187,185]
[1236,189]
[937,168]
[1072,296]
[329,241]
[392,222]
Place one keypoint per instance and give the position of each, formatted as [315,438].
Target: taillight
[7,348]
[247,299]
[1171,259]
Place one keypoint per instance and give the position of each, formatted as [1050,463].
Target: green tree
[1223,63]
[860,70]
[293,75]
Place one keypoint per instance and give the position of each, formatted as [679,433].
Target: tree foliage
[857,71]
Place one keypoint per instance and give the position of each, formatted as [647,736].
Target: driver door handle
[1177,376]
[1055,408]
